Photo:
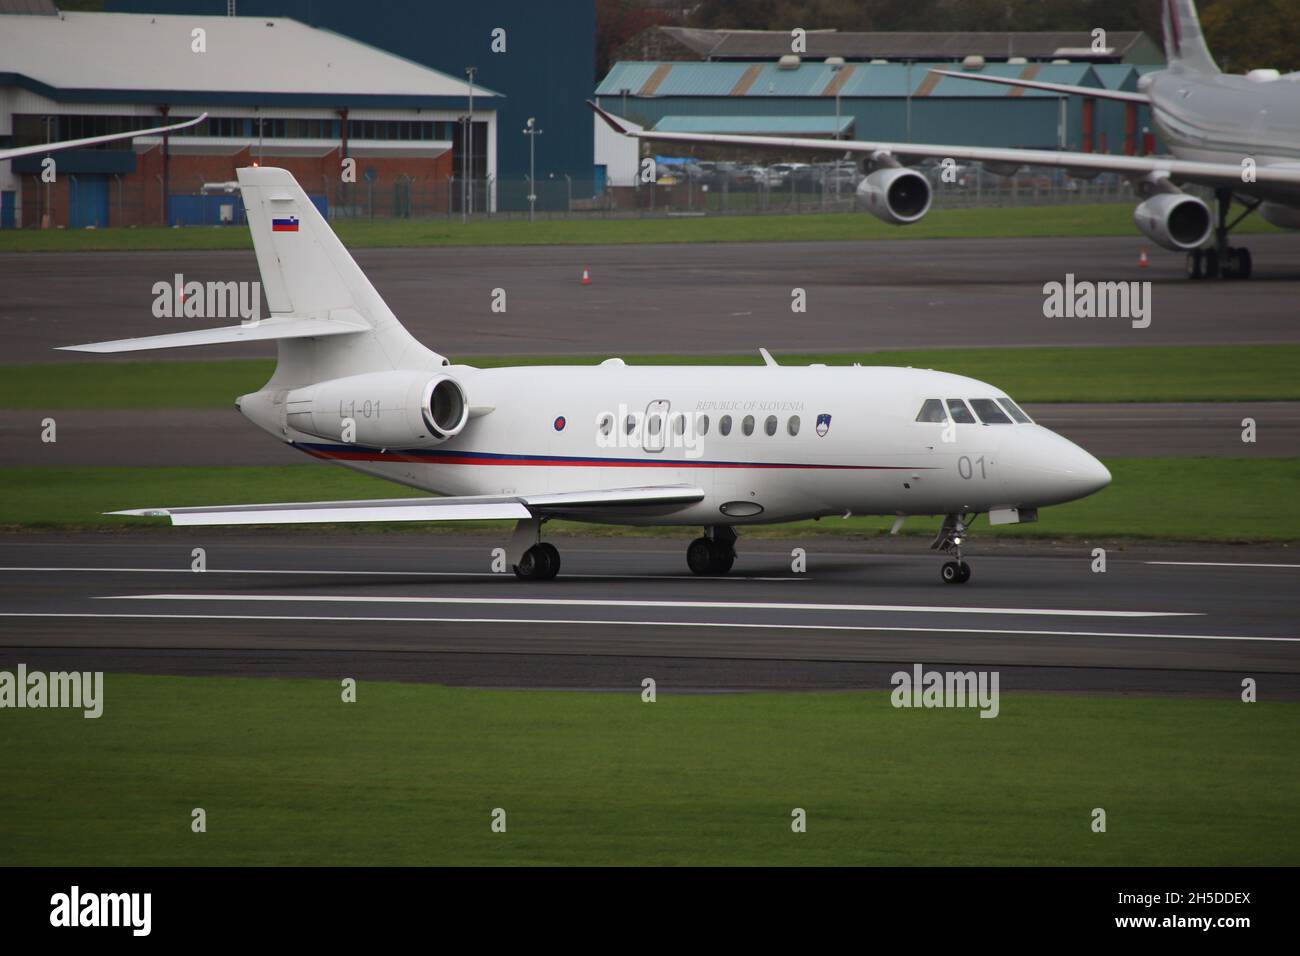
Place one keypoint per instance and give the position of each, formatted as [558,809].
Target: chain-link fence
[128,203]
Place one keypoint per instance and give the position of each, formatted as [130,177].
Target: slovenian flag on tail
[284,224]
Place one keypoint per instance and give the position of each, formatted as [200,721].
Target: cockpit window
[1012,409]
[960,413]
[932,411]
[988,411]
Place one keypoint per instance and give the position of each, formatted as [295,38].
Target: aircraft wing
[1101,94]
[469,508]
[43,148]
[1005,158]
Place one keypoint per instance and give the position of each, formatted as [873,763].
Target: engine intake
[1175,221]
[896,195]
[403,409]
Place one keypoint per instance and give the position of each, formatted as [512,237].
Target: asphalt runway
[696,298]
[214,437]
[428,608]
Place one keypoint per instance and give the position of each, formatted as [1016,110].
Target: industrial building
[276,91]
[880,87]
[538,57]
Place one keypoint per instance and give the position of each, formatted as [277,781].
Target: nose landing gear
[714,553]
[949,539]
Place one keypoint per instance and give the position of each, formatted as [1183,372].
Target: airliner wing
[43,148]
[470,508]
[1005,158]
[1101,94]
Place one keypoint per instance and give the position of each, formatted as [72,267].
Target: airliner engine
[895,195]
[1174,220]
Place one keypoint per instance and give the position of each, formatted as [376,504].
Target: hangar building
[277,92]
[879,86]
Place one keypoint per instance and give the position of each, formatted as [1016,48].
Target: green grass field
[410,774]
[1180,498]
[990,222]
[1147,374]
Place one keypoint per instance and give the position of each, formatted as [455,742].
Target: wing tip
[608,117]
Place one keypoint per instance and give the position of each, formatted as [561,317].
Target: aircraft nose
[1057,470]
[1085,471]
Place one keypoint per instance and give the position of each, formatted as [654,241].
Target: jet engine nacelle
[403,409]
[896,195]
[1284,217]
[1175,221]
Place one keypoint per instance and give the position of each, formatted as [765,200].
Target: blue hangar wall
[548,70]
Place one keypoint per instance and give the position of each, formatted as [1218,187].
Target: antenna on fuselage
[767,358]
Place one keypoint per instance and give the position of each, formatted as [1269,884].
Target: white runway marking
[713,624]
[427,574]
[584,602]
[1220,564]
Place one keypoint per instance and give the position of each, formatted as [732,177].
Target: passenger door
[655,430]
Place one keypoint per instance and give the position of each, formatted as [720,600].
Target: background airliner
[1239,135]
[717,447]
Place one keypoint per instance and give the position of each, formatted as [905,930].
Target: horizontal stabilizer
[285,328]
[470,508]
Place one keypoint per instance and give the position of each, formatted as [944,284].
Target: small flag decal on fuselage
[284,224]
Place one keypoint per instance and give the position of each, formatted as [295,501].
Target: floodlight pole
[470,72]
[532,132]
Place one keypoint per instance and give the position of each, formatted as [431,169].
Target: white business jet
[717,447]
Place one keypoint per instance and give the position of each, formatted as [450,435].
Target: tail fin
[1184,43]
[326,318]
[308,273]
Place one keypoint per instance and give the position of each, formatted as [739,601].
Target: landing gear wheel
[541,562]
[1211,263]
[1242,264]
[951,573]
[709,557]
[964,568]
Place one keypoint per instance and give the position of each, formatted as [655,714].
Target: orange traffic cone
[586,277]
[1142,260]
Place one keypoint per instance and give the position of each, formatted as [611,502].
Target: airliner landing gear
[715,553]
[532,558]
[1222,261]
[541,562]
[949,538]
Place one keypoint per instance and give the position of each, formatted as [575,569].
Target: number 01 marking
[966,468]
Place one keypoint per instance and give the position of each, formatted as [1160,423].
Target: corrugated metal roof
[126,51]
[770,44]
[770,125]
[861,80]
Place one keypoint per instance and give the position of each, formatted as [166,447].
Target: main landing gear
[714,553]
[1222,261]
[541,562]
[949,539]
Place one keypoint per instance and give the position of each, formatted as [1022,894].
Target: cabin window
[724,424]
[792,426]
[932,411]
[702,425]
[656,422]
[960,413]
[988,411]
[769,425]
[630,425]
[1012,409]
[606,424]
[747,425]
[679,426]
